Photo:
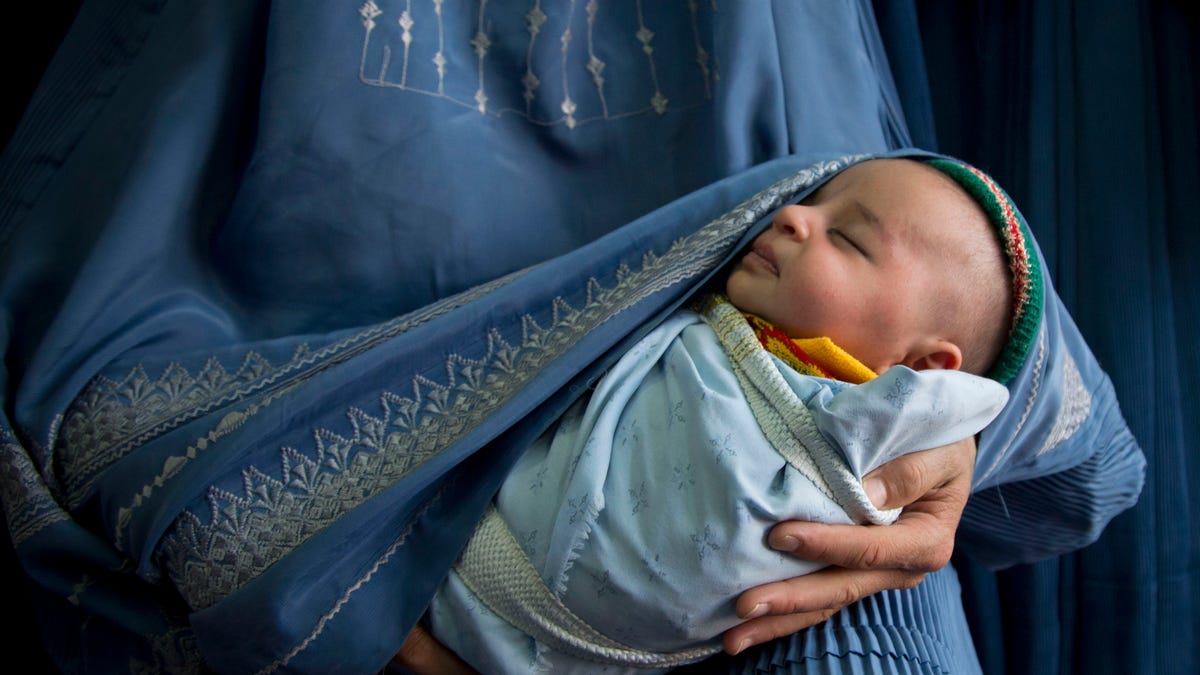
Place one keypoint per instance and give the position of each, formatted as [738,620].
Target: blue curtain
[1087,112]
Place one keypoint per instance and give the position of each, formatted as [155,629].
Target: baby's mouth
[762,254]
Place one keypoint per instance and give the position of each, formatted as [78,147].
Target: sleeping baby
[854,329]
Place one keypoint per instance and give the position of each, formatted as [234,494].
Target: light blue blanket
[625,533]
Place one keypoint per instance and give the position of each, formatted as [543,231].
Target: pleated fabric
[920,631]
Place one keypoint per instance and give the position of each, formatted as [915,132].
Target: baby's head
[895,262]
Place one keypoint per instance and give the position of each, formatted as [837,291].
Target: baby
[624,535]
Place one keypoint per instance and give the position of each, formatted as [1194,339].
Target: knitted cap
[1023,264]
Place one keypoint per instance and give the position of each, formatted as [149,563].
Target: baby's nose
[793,221]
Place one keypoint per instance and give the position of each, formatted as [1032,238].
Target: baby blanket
[625,533]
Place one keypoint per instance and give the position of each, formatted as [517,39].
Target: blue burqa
[288,287]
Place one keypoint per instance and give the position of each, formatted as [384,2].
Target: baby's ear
[935,354]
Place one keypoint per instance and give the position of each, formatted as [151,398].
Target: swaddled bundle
[624,535]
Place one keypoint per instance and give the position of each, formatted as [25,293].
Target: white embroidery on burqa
[213,552]
[78,589]
[481,43]
[1076,406]
[701,52]
[174,464]
[111,417]
[406,24]
[369,11]
[28,506]
[492,97]
[646,36]
[533,24]
[568,106]
[439,58]
[594,65]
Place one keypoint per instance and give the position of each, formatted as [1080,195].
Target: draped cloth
[282,305]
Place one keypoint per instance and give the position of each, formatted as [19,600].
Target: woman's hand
[932,486]
[422,654]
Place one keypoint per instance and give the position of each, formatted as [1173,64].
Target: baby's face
[858,262]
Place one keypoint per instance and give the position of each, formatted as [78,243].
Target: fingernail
[876,491]
[787,544]
[741,645]
[759,609]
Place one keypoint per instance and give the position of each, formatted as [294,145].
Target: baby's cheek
[737,287]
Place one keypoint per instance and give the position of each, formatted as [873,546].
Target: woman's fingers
[910,478]
[785,607]
[921,540]
[768,628]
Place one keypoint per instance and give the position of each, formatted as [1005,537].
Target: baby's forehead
[866,174]
[908,193]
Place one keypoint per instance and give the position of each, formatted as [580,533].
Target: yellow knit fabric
[817,356]
[835,360]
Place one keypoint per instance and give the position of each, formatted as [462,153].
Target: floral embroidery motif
[603,583]
[705,542]
[721,447]
[539,479]
[899,393]
[638,498]
[676,415]
[655,568]
[580,507]
[681,476]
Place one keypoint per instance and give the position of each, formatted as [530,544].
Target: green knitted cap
[1023,263]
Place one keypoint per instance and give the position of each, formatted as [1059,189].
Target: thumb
[906,479]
